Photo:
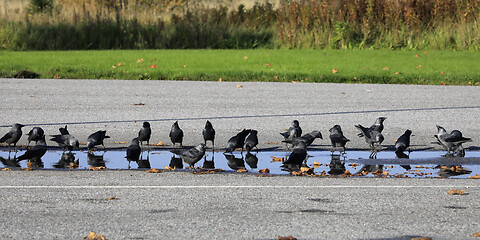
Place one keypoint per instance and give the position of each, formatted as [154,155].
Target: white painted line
[222,186]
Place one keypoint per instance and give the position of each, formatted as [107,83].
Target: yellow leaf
[119,142]
[112,198]
[477,234]
[457,192]
[120,64]
[242,170]
[153,170]
[6,169]
[266,170]
[334,70]
[140,60]
[277,159]
[169,168]
[97,168]
[239,86]
[475,177]
[94,236]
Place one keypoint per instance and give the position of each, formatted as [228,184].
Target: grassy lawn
[353,66]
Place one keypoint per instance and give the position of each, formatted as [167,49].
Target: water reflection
[95,160]
[235,163]
[419,164]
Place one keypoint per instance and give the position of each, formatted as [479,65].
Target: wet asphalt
[48,204]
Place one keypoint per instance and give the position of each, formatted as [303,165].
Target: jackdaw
[451,141]
[13,135]
[36,152]
[372,137]
[237,141]
[145,133]
[64,131]
[134,150]
[35,134]
[251,141]
[66,141]
[337,138]
[306,138]
[192,155]
[209,133]
[403,142]
[96,138]
[298,155]
[377,126]
[294,131]
[176,134]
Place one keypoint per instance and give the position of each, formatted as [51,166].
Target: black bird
[192,155]
[65,140]
[337,138]
[377,126]
[36,152]
[251,141]
[64,131]
[176,134]
[35,134]
[294,131]
[372,137]
[145,133]
[237,141]
[176,163]
[134,150]
[403,142]
[13,135]
[96,138]
[306,138]
[209,133]
[451,141]
[298,155]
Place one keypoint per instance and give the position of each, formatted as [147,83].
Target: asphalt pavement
[130,204]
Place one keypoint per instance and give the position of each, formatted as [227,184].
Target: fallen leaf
[416,55]
[276,77]
[266,170]
[120,64]
[220,80]
[153,170]
[139,60]
[397,73]
[242,170]
[169,168]
[114,66]
[73,165]
[286,238]
[334,70]
[160,143]
[443,73]
[57,76]
[30,166]
[385,68]
[295,81]
[245,57]
[422,238]
[32,96]
[153,66]
[97,168]
[316,164]
[354,165]
[94,236]
[277,159]
[307,170]
[6,169]
[239,86]
[425,52]
[272,143]
[475,177]
[112,198]
[442,83]
[184,66]
[347,173]
[268,64]
[354,78]
[154,59]
[419,66]
[119,142]
[477,234]
[139,104]
[457,192]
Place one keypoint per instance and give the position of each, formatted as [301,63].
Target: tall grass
[194,24]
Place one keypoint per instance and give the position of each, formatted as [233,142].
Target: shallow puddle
[422,164]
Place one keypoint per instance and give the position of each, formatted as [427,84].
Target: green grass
[353,66]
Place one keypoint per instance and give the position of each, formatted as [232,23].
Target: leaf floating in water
[94,236]
[97,168]
[316,164]
[457,192]
[266,170]
[153,170]
[277,159]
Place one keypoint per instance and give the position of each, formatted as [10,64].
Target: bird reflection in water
[35,163]
[95,160]
[337,165]
[252,160]
[451,171]
[66,160]
[9,162]
[176,162]
[209,164]
[235,163]
[144,162]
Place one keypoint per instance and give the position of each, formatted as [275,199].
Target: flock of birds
[246,139]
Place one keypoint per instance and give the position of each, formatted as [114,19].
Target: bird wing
[6,136]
